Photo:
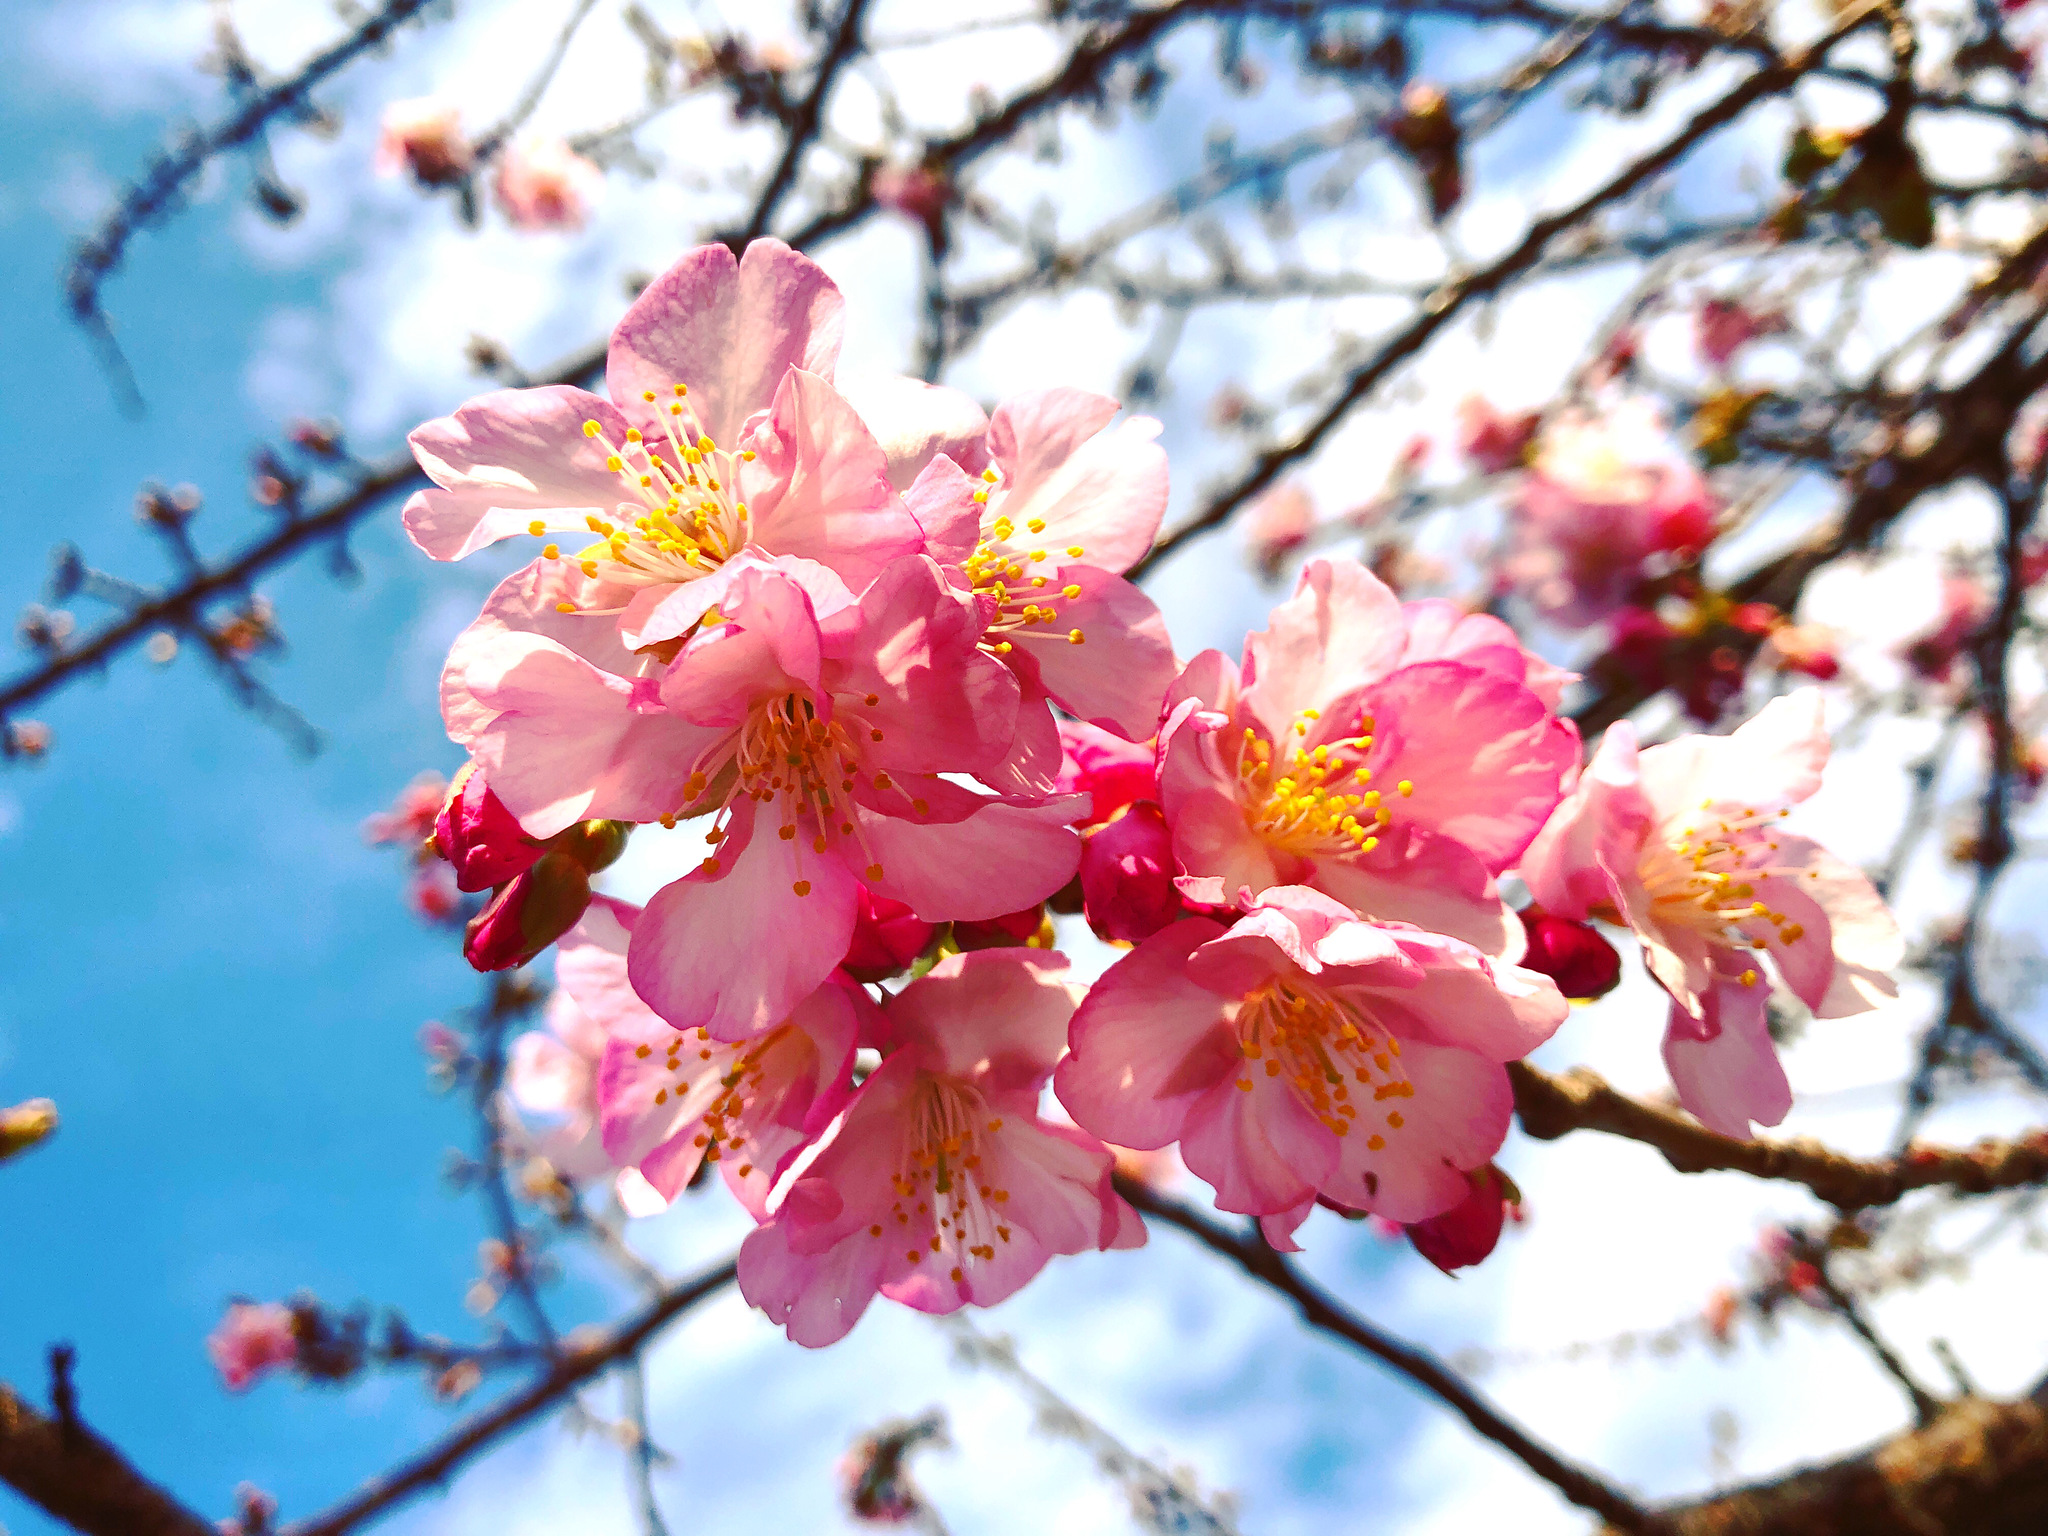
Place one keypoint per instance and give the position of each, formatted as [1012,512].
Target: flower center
[791,757]
[1315,800]
[940,1186]
[719,1081]
[679,512]
[1324,1048]
[1704,880]
[999,569]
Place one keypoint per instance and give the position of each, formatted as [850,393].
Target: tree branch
[1580,1100]
[74,1476]
[1320,1310]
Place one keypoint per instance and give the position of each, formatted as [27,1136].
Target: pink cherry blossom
[1304,1052]
[1068,503]
[544,184]
[1682,843]
[916,192]
[1495,441]
[252,1339]
[943,1187]
[724,442]
[1398,759]
[410,821]
[814,730]
[1127,875]
[1603,496]
[632,1093]
[424,137]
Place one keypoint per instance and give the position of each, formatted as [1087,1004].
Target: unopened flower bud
[887,936]
[1467,1232]
[482,839]
[1005,932]
[529,914]
[1574,955]
[1127,871]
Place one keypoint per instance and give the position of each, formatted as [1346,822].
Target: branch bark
[1581,1100]
[73,1475]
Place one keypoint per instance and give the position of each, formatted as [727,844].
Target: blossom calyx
[1467,1232]
[529,913]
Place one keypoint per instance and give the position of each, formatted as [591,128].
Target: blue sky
[219,984]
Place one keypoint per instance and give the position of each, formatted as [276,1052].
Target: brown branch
[1979,1469]
[1553,1106]
[1448,301]
[74,1476]
[576,1366]
[1321,1310]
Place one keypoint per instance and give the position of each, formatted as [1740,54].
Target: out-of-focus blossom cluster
[872,650]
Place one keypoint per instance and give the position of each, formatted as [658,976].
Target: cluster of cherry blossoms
[876,649]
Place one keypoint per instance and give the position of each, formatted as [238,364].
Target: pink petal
[729,331]
[819,486]
[569,743]
[942,501]
[916,423]
[1147,1043]
[941,703]
[1486,760]
[995,859]
[1340,630]
[1600,826]
[527,601]
[816,1297]
[1433,883]
[1118,676]
[1772,761]
[735,952]
[1261,1149]
[1456,1121]
[1101,490]
[1499,1012]
[1002,1011]
[1734,1077]
[506,456]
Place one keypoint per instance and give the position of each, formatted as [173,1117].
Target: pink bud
[529,914]
[1127,871]
[1574,955]
[1492,440]
[482,839]
[1114,771]
[251,1340]
[1005,932]
[887,936]
[1466,1233]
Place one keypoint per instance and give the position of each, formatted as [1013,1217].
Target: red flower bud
[1005,932]
[1127,871]
[1574,955]
[1467,1232]
[1114,771]
[482,839]
[529,914]
[887,936]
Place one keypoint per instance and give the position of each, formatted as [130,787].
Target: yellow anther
[1070,592]
[1406,787]
[802,887]
[551,551]
[989,475]
[1749,978]
[565,607]
[647,395]
[682,390]
[632,434]
[536,527]
[1037,554]
[613,463]
[874,871]
[1075,550]
[1075,637]
[590,429]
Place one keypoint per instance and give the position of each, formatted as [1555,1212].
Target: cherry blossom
[724,441]
[1278,524]
[1604,495]
[1683,844]
[252,1339]
[656,1103]
[1302,1052]
[424,137]
[544,184]
[1398,759]
[813,730]
[1495,441]
[942,1187]
[1067,504]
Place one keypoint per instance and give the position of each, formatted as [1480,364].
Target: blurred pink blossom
[544,184]
[1723,327]
[252,1339]
[424,137]
[1495,441]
